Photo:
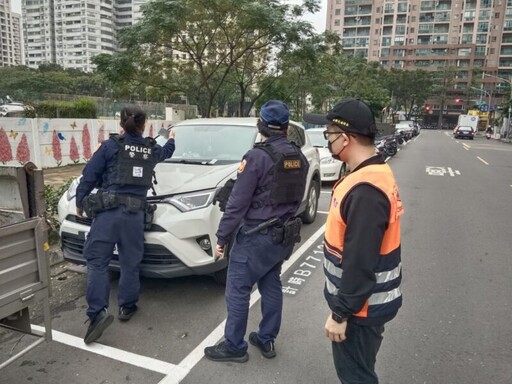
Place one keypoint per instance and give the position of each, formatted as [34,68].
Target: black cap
[351,115]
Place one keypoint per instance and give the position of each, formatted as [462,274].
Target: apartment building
[10,36]
[429,34]
[71,32]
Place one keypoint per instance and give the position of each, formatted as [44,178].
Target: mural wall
[57,142]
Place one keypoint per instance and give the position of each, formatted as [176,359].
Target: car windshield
[212,144]
[317,138]
[466,129]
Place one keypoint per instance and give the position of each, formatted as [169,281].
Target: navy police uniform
[255,258]
[119,225]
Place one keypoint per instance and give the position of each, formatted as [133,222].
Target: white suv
[182,238]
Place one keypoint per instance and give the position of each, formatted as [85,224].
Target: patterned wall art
[52,143]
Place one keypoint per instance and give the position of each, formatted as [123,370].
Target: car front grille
[154,254]
[88,221]
[79,220]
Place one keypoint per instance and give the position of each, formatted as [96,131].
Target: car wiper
[194,162]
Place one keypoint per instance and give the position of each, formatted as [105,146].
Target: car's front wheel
[309,214]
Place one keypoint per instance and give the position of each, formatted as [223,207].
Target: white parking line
[198,353]
[174,373]
[482,160]
[118,354]
[466,147]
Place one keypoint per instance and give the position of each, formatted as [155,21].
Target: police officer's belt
[105,200]
[286,234]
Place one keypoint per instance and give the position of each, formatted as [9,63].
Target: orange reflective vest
[386,296]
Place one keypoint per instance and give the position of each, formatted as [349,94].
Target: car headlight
[191,201]
[327,160]
[71,193]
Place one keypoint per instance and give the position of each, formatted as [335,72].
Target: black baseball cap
[351,115]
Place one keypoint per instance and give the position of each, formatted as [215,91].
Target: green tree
[209,37]
[408,88]
[444,83]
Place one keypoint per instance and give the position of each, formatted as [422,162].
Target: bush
[82,108]
[52,196]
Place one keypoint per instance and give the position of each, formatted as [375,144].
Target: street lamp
[481,90]
[509,82]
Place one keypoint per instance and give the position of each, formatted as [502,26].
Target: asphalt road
[454,327]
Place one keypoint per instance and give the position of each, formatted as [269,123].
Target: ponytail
[133,119]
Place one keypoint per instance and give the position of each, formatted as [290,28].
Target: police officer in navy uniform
[122,169]
[260,217]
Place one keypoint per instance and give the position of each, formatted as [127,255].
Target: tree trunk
[241,105]
[440,118]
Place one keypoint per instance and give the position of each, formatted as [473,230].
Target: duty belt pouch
[109,200]
[292,231]
[93,204]
[133,204]
[149,213]
[277,234]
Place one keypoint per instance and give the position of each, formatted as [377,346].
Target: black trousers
[355,357]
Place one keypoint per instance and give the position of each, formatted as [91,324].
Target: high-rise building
[428,34]
[71,32]
[10,36]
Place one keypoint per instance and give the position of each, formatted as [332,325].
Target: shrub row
[82,108]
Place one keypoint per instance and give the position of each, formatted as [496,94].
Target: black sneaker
[221,352]
[268,349]
[126,313]
[97,326]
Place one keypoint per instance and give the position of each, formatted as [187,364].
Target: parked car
[464,132]
[12,109]
[182,238]
[330,169]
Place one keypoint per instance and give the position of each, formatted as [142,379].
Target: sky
[16,6]
[317,19]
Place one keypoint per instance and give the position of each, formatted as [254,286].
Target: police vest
[289,177]
[133,164]
[387,295]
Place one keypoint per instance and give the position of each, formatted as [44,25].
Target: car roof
[238,121]
[315,129]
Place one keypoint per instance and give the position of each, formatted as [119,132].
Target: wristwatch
[339,319]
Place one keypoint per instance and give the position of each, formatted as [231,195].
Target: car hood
[173,178]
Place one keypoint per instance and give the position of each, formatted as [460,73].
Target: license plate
[115,252]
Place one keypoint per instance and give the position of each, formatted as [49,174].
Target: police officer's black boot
[268,349]
[221,352]
[126,313]
[97,326]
